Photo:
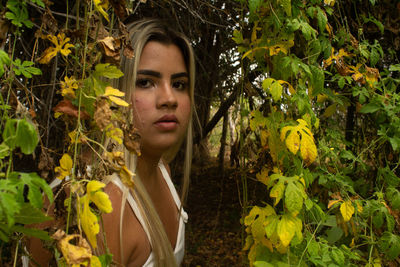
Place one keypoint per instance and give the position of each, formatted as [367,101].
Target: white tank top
[179,250]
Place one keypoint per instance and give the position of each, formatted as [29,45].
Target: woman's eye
[143,83]
[180,85]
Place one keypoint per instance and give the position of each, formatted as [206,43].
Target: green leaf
[390,245]
[34,183]
[370,108]
[254,5]
[287,6]
[105,259]
[31,232]
[262,264]
[10,206]
[30,215]
[4,151]
[322,20]
[318,80]
[4,232]
[271,224]
[394,67]
[108,71]
[276,91]
[293,198]
[393,195]
[26,137]
[9,133]
[374,57]
[237,37]
[338,256]
[313,248]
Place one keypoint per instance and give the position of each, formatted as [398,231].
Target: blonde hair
[141,32]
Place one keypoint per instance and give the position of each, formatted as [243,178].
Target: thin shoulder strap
[125,191]
[172,189]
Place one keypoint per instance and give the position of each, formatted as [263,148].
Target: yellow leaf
[95,262]
[262,176]
[65,167]
[347,210]
[293,141]
[94,186]
[333,202]
[286,229]
[100,5]
[307,146]
[359,207]
[113,91]
[89,221]
[291,89]
[308,150]
[277,191]
[102,201]
[329,111]
[322,98]
[73,254]
[126,177]
[68,87]
[118,101]
[61,45]
[329,2]
[115,133]
[264,137]
[47,55]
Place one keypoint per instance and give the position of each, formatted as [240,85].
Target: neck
[147,169]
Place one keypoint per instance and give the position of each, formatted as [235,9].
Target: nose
[166,96]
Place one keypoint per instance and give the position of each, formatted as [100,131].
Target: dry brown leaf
[66,107]
[131,139]
[111,48]
[103,113]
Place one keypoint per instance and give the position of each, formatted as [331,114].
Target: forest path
[213,232]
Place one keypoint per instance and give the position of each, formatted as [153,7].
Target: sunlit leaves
[114,95]
[300,137]
[65,167]
[61,45]
[88,219]
[347,210]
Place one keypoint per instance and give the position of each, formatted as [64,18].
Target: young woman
[146,227]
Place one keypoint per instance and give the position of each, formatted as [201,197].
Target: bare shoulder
[135,245]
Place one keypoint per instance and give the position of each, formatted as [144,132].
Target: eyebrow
[158,74]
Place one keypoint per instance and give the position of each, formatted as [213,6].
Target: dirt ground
[214,232]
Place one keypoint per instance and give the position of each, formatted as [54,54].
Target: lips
[167,123]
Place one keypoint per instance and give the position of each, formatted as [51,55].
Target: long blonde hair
[141,32]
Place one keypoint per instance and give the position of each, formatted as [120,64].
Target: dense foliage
[315,86]
[326,124]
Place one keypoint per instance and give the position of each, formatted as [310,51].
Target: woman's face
[161,102]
